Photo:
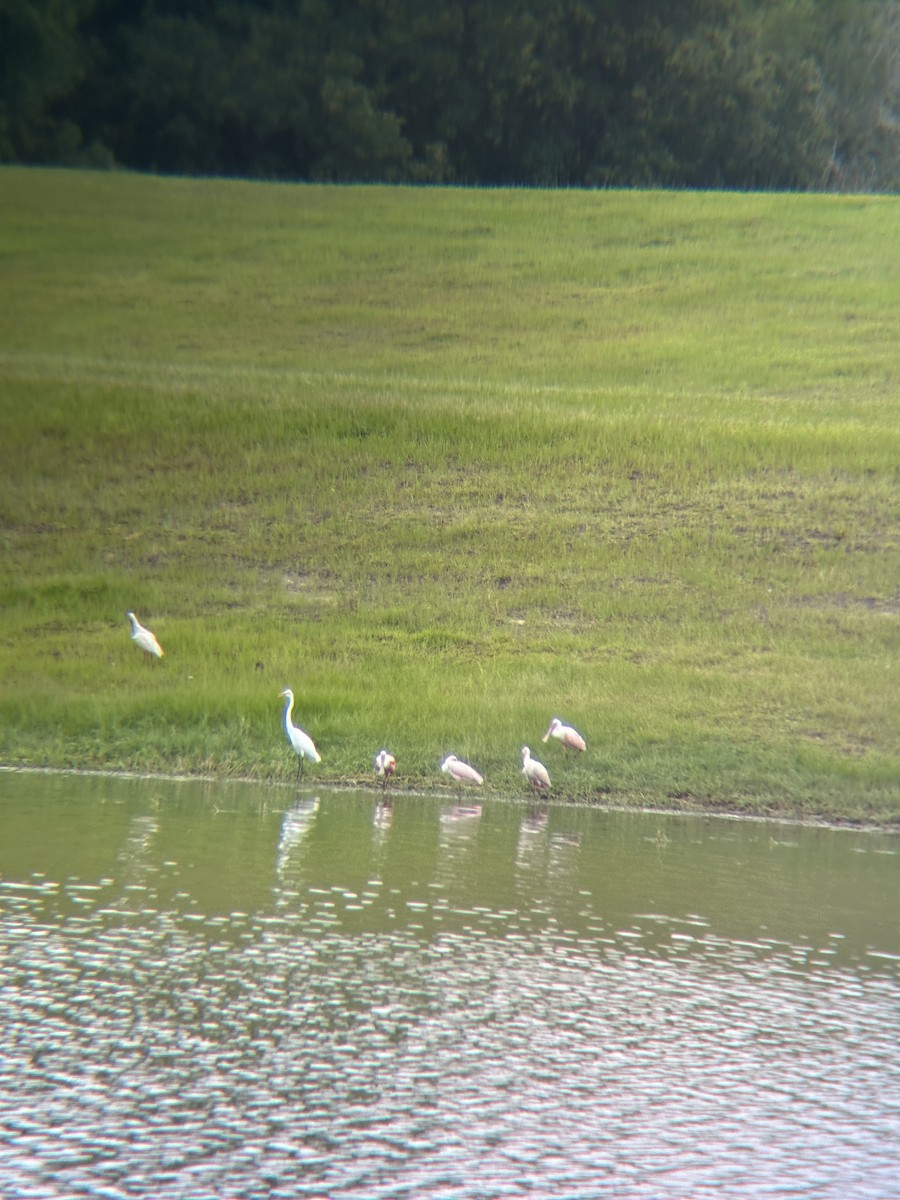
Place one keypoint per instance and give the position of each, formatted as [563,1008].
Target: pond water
[229,990]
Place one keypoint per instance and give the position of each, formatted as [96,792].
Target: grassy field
[449,463]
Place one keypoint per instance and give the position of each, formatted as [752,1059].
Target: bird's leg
[299,766]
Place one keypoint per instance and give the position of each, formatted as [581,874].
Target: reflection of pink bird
[570,739]
[535,772]
[385,766]
[459,770]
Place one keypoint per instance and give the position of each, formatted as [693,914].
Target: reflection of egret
[570,738]
[460,771]
[144,639]
[295,825]
[385,766]
[535,772]
[304,747]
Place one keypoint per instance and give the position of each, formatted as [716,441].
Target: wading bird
[535,772]
[570,738]
[303,745]
[385,766]
[460,771]
[144,639]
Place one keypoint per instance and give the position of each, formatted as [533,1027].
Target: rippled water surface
[235,991]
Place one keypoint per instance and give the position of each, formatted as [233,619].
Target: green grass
[450,463]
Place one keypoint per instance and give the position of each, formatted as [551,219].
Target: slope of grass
[450,463]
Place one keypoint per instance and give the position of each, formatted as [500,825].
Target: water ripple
[357,1034]
[381,1066]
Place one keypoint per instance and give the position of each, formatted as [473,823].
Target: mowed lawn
[450,463]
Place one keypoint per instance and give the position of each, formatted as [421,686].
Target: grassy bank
[450,463]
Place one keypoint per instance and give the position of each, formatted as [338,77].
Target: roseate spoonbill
[535,772]
[460,771]
[570,738]
[144,639]
[385,766]
[303,745]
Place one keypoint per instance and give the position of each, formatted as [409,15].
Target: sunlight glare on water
[227,991]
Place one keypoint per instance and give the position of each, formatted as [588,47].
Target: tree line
[799,94]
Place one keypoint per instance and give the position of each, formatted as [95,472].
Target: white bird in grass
[570,738]
[385,766]
[460,771]
[143,638]
[535,772]
[304,746]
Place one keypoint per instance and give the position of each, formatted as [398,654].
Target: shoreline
[698,811]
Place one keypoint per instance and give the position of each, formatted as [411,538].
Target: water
[234,991]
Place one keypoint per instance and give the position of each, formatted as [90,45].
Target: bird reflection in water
[295,826]
[383,814]
[460,812]
[535,820]
[531,846]
[457,838]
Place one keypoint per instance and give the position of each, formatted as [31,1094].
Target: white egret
[535,772]
[303,745]
[144,639]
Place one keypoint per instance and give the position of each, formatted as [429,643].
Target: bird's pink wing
[462,770]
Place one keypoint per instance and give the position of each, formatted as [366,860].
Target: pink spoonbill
[144,639]
[304,746]
[385,766]
[535,772]
[570,738]
[460,771]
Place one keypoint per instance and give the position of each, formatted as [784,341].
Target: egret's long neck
[288,709]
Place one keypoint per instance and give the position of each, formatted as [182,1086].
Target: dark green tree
[853,47]
[701,93]
[42,59]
